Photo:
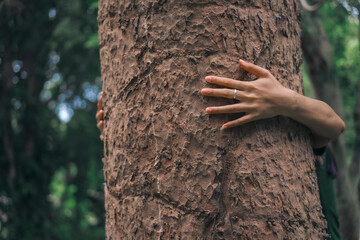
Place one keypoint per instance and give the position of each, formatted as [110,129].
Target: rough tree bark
[322,72]
[170,173]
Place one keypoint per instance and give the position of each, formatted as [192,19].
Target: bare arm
[324,124]
[266,97]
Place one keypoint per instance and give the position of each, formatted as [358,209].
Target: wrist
[288,102]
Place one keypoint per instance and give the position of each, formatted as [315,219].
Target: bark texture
[170,173]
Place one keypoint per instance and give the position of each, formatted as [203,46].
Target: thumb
[254,69]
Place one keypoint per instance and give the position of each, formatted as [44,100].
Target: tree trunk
[170,173]
[322,72]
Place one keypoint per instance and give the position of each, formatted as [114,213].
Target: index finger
[227,82]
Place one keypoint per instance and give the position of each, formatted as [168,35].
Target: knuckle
[212,79]
[250,96]
[254,68]
[251,86]
[255,115]
[216,110]
[266,72]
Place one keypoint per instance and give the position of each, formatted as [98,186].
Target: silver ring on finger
[234,93]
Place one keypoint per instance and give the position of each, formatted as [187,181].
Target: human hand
[259,99]
[100,117]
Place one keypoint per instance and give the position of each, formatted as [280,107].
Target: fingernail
[203,90]
[207,78]
[223,128]
[242,61]
[208,109]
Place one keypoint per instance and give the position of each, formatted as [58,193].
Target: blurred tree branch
[323,75]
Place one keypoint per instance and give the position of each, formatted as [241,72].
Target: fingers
[227,82]
[245,119]
[243,86]
[233,108]
[100,115]
[100,126]
[100,101]
[215,92]
[254,69]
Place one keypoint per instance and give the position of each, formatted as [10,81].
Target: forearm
[318,116]
[266,98]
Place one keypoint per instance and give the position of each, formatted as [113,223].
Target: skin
[264,98]
[100,117]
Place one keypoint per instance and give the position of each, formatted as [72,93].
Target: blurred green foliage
[51,92]
[341,24]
